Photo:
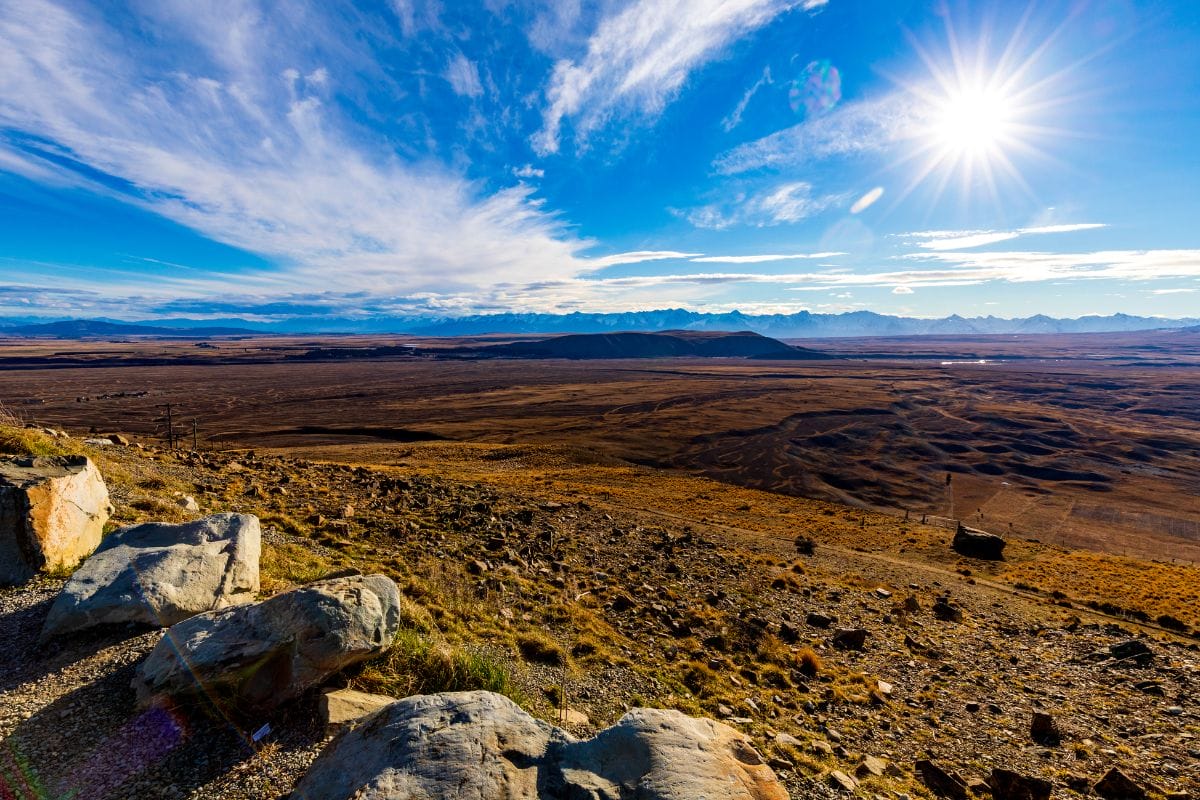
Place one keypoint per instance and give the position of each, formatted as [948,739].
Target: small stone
[841,781]
[871,766]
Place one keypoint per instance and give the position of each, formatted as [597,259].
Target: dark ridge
[93,328]
[670,344]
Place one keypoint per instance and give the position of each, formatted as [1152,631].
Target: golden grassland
[537,642]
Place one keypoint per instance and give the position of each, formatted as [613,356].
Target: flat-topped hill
[668,344]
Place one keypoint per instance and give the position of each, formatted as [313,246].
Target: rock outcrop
[52,514]
[978,544]
[479,744]
[160,574]
[258,656]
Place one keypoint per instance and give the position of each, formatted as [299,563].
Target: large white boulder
[52,514]
[257,656]
[479,744]
[159,574]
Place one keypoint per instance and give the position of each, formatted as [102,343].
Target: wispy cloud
[863,126]
[640,57]
[735,117]
[760,259]
[248,149]
[463,77]
[957,240]
[635,257]
[784,203]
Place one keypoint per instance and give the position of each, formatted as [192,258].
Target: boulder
[1131,650]
[159,574]
[1116,785]
[52,514]
[946,611]
[1043,729]
[480,744]
[942,782]
[342,707]
[850,638]
[1008,785]
[256,657]
[819,620]
[978,544]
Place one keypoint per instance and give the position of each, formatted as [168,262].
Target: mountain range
[801,325]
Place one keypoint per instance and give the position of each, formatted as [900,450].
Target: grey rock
[160,574]
[259,656]
[479,744]
[52,514]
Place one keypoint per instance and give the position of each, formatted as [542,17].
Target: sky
[282,159]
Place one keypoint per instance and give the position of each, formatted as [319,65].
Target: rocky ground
[825,659]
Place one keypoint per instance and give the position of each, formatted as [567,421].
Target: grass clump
[808,662]
[541,649]
[418,664]
[285,565]
[19,441]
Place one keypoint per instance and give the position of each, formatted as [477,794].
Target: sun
[981,114]
[973,123]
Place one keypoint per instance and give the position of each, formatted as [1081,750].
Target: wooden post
[170,429]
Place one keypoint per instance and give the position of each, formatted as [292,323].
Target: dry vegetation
[537,563]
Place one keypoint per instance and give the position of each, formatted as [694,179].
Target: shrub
[808,662]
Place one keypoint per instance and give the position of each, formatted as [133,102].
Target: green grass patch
[18,441]
[417,663]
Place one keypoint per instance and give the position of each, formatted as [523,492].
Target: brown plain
[1086,441]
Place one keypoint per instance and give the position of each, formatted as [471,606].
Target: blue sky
[275,159]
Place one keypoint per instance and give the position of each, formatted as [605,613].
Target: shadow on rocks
[95,744]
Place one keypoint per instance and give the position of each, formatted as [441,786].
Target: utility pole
[195,437]
[170,429]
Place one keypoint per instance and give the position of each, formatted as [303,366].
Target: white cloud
[529,171]
[759,259]
[902,290]
[785,203]
[956,240]
[640,57]
[735,117]
[1172,291]
[863,126]
[250,154]
[635,257]
[463,76]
